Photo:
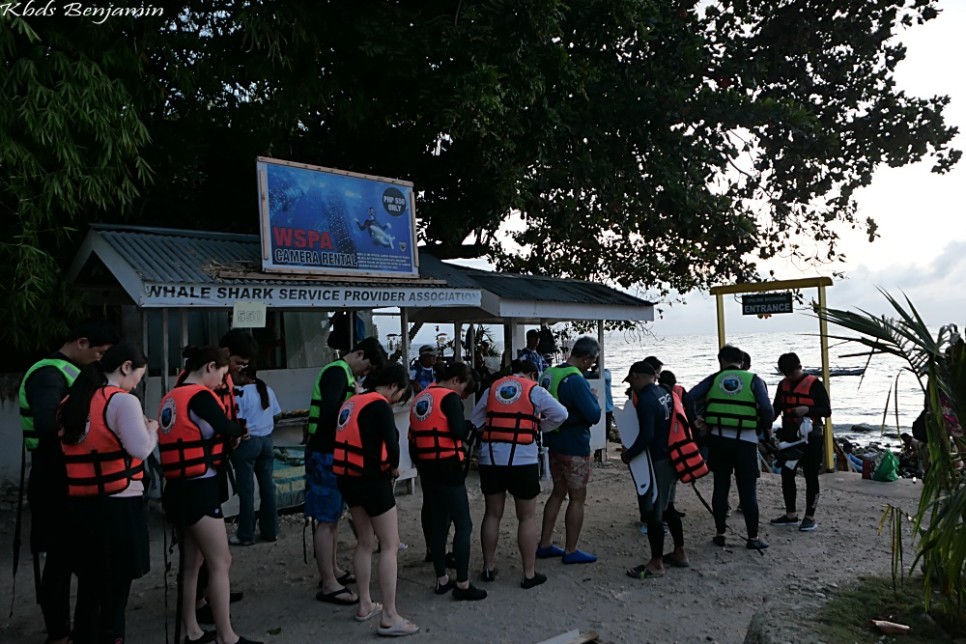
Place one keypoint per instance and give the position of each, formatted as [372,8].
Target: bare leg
[527,534]
[574,518]
[551,510]
[325,538]
[386,527]
[191,565]
[490,528]
[211,539]
[363,558]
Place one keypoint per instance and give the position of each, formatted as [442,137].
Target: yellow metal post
[823,330]
[721,326]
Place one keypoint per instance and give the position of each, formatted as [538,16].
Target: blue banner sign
[319,220]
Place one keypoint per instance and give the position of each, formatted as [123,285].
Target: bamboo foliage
[939,364]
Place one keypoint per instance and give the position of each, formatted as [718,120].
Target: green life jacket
[731,401]
[553,376]
[67,369]
[315,408]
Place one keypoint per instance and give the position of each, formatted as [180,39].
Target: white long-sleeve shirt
[125,418]
[552,414]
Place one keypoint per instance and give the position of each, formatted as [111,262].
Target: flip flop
[346,578]
[335,597]
[400,628]
[642,572]
[669,560]
[376,609]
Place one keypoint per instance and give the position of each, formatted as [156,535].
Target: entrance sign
[766,303]
[323,221]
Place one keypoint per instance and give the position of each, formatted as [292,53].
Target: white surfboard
[642,470]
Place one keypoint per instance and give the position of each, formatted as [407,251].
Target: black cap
[640,367]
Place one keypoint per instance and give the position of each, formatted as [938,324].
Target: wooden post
[823,330]
[721,322]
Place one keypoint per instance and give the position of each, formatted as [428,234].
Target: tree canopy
[646,142]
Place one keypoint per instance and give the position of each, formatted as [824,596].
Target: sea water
[858,402]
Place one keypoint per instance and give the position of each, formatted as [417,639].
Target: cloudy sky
[922,248]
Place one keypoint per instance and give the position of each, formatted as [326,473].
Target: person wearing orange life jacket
[654,407]
[334,385]
[693,462]
[105,437]
[511,412]
[42,389]
[241,351]
[365,460]
[799,397]
[192,436]
[437,430]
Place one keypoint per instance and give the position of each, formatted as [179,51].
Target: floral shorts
[574,470]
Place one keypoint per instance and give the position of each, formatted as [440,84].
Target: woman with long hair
[255,458]
[193,445]
[366,461]
[105,438]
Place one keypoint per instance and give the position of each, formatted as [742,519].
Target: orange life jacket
[511,416]
[348,458]
[185,452]
[97,464]
[798,395]
[683,452]
[429,430]
[226,396]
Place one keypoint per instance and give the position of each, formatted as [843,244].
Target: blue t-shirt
[572,438]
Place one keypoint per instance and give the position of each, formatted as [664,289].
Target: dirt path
[712,601]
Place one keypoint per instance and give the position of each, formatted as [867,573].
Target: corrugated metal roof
[551,289]
[169,255]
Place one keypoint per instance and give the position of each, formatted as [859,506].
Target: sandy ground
[713,601]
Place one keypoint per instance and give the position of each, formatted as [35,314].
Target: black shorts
[188,501]
[522,481]
[373,494]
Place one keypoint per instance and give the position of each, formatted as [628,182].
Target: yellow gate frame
[780,285]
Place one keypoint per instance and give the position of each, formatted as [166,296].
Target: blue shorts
[323,501]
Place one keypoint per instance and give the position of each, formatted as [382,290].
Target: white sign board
[248,315]
[326,296]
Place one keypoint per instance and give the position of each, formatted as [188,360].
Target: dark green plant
[643,142]
[938,361]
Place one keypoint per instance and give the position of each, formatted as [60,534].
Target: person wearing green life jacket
[42,389]
[336,383]
[569,448]
[732,405]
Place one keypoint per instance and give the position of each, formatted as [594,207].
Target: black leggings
[811,463]
[655,530]
[101,603]
[443,504]
[727,456]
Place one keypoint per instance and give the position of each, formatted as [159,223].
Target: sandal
[670,560]
[336,597]
[399,628]
[376,609]
[346,578]
[642,572]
